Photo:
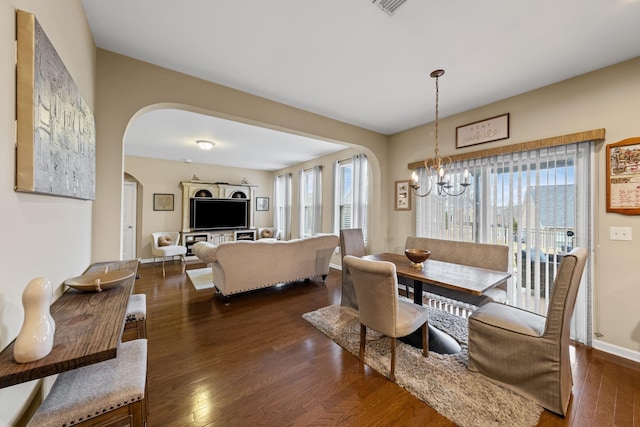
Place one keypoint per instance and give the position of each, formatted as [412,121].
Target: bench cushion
[136,308]
[86,392]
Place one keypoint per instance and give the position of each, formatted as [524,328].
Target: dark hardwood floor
[257,362]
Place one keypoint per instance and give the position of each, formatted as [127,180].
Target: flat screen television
[218,214]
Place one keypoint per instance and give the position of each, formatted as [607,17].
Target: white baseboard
[335,266]
[617,350]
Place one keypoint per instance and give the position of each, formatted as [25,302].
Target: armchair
[167,244]
[268,233]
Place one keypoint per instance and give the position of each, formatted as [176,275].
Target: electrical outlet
[620,233]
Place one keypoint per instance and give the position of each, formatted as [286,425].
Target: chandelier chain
[437,168]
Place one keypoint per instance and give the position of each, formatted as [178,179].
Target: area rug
[201,278]
[441,381]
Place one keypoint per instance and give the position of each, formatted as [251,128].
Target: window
[311,201]
[538,202]
[282,205]
[351,199]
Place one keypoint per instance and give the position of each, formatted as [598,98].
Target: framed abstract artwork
[56,139]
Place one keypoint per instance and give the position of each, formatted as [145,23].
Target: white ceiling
[350,61]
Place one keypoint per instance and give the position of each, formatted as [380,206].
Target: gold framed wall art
[56,139]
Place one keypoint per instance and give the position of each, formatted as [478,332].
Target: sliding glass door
[538,202]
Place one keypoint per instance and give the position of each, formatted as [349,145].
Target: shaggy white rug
[442,381]
[201,278]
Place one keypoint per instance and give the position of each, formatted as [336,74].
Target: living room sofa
[246,265]
[482,255]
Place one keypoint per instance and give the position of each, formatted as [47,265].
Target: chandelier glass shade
[437,167]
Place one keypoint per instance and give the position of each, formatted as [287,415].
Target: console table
[88,329]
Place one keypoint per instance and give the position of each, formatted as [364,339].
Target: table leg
[439,341]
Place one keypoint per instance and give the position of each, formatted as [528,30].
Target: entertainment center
[216,212]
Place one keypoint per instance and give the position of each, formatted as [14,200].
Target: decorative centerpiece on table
[417,256]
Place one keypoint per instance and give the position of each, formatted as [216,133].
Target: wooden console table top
[88,329]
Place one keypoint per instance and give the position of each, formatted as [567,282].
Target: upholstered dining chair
[167,244]
[351,243]
[524,351]
[380,309]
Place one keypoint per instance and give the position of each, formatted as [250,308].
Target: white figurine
[35,339]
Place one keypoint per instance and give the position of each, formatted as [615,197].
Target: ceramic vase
[35,339]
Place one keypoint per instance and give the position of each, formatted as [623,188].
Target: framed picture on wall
[162,202]
[403,196]
[262,203]
[56,138]
[623,177]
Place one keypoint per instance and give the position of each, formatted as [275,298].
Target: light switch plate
[620,233]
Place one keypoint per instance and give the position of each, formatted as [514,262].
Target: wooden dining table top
[88,329]
[472,280]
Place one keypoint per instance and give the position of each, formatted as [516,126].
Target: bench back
[482,255]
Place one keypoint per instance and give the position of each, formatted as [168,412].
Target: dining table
[464,278]
[88,328]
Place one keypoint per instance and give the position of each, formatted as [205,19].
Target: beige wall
[164,176]
[127,87]
[603,99]
[43,235]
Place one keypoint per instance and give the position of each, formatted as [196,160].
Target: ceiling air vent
[389,6]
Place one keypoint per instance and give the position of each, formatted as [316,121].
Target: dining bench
[481,255]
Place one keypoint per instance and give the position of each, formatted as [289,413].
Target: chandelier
[438,167]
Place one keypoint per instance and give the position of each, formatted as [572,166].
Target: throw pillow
[267,234]
[165,240]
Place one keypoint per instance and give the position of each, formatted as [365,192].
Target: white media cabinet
[215,237]
[215,190]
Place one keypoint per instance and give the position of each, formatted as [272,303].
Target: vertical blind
[538,202]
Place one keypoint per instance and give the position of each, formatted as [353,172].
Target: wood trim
[589,135]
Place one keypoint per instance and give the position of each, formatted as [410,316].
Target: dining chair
[380,309]
[167,244]
[524,351]
[351,243]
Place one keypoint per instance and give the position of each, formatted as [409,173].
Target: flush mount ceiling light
[205,145]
